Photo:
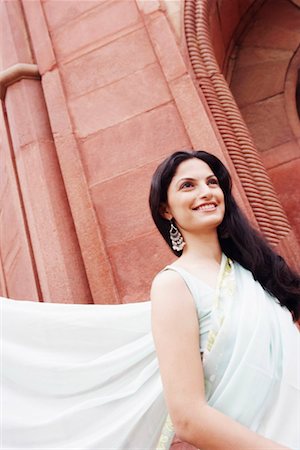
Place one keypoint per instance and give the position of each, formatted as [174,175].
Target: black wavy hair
[238,239]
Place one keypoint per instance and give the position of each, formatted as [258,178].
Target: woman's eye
[186,185]
[213,181]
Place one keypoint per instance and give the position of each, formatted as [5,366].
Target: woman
[249,346]
[87,376]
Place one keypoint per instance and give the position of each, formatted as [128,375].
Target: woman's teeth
[207,207]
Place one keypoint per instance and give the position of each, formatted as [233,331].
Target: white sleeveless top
[203,296]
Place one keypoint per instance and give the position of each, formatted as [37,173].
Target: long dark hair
[238,239]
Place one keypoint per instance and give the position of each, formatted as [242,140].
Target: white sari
[87,376]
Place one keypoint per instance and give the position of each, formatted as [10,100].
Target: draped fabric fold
[263,361]
[79,376]
[87,376]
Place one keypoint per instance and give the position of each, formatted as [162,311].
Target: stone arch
[292,93]
[209,40]
[265,61]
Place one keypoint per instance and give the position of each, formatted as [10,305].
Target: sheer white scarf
[87,377]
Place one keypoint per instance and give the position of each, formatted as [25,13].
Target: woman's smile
[206,207]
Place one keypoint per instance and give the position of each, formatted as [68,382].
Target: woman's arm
[176,335]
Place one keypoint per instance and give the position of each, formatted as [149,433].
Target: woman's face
[195,199]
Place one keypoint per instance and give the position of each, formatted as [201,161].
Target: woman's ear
[164,211]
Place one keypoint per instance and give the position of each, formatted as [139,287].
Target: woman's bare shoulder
[167,278]
[169,286]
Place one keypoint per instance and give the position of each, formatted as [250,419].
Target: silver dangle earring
[176,238]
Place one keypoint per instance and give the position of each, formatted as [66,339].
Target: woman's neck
[202,248]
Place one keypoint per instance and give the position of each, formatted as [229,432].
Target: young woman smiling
[226,348]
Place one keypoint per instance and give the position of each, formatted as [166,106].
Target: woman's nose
[204,191]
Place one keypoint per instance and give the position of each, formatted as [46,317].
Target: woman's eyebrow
[194,179]
[185,179]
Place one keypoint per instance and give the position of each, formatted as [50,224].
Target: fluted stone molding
[258,187]
[16,73]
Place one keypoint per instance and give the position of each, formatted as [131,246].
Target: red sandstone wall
[15,257]
[40,258]
[124,120]
[115,97]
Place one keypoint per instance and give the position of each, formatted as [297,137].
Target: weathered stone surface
[39,34]
[98,24]
[259,74]
[122,205]
[174,15]
[18,280]
[271,36]
[51,234]
[119,101]
[133,143]
[108,64]
[216,35]
[3,288]
[17,268]
[136,262]
[148,6]
[281,154]
[15,47]
[229,14]
[195,116]
[286,180]
[267,122]
[281,13]
[97,266]
[276,26]
[244,5]
[66,11]
[23,119]
[249,57]
[166,48]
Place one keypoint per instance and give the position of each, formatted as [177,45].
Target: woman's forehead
[192,168]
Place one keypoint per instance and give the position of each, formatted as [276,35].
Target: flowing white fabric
[87,376]
[79,377]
